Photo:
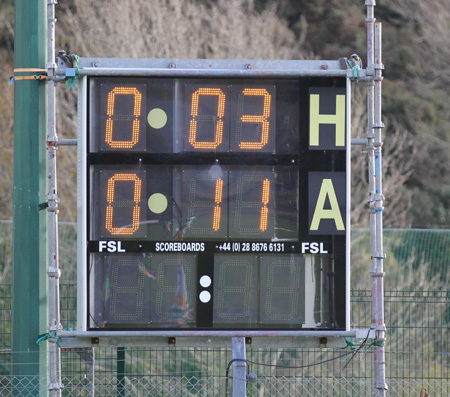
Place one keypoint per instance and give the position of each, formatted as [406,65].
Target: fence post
[239,367]
[120,360]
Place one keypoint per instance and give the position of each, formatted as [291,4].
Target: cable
[285,366]
[364,341]
[228,370]
[353,354]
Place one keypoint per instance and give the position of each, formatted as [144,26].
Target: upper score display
[230,118]
[171,116]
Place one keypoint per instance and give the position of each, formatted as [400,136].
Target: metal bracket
[376,274]
[51,65]
[370,74]
[381,327]
[52,204]
[54,272]
[55,386]
[383,386]
[378,125]
[54,327]
[52,197]
[86,354]
[52,141]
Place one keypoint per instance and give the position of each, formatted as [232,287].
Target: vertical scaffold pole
[374,145]
[53,270]
[377,272]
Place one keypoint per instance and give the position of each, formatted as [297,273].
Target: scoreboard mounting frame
[213,196]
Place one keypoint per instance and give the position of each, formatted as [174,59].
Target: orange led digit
[110,194]
[265,201]
[218,200]
[218,131]
[110,110]
[258,118]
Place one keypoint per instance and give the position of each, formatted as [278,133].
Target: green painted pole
[29,311]
[120,389]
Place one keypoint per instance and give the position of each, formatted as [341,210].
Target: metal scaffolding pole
[53,270]
[374,145]
[376,271]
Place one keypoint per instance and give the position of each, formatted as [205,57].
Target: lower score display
[141,289]
[195,202]
[169,290]
[280,300]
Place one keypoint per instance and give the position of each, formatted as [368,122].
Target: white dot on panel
[205,296]
[157,118]
[205,281]
[157,203]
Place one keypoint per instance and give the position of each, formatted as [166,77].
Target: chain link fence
[417,351]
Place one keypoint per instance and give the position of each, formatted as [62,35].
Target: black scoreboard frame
[180,271]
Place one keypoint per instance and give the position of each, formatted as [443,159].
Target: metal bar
[372,170]
[215,73]
[359,141]
[193,63]
[67,142]
[206,67]
[204,334]
[209,342]
[82,210]
[207,64]
[239,367]
[378,274]
[284,339]
[53,271]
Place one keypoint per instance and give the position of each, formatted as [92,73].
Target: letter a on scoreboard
[327,203]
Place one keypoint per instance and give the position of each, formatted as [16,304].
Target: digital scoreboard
[215,203]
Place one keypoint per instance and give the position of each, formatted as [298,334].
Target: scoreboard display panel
[215,203]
